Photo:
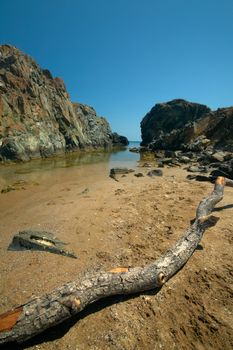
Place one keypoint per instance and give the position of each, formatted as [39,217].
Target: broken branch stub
[64,302]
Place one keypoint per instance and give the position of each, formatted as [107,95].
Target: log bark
[62,303]
[229,182]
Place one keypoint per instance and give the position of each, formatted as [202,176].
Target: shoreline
[12,172]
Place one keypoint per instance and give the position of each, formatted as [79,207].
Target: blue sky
[123,56]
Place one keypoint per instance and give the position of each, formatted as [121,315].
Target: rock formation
[37,118]
[167,117]
[182,125]
[182,132]
[118,139]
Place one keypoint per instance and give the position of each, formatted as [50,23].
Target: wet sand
[125,223]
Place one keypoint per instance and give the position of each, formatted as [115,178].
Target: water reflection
[123,157]
[113,158]
[64,161]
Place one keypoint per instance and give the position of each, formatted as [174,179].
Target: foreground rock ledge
[62,303]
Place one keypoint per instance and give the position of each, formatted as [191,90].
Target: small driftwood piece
[62,303]
[39,240]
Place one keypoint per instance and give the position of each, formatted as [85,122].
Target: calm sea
[125,157]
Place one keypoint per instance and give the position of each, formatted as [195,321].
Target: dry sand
[125,223]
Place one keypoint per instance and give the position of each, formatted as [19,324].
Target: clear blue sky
[123,56]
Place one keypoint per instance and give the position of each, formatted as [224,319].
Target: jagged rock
[146,165]
[37,118]
[204,157]
[119,171]
[182,125]
[119,140]
[197,169]
[166,117]
[134,149]
[197,144]
[139,175]
[191,177]
[155,172]
[162,154]
[201,178]
[204,178]
[116,171]
[184,159]
[218,156]
[166,160]
[218,172]
[177,134]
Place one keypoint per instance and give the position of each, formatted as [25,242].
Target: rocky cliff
[37,118]
[184,125]
[165,117]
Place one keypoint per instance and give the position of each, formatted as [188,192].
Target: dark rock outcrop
[182,125]
[119,140]
[37,118]
[155,172]
[181,132]
[165,118]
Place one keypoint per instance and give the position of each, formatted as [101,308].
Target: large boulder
[119,140]
[166,117]
[37,118]
[182,125]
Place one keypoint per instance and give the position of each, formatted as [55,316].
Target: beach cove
[109,224]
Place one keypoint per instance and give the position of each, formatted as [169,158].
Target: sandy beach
[127,223]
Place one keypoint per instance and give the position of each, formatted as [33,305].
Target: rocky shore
[182,132]
[37,118]
[127,219]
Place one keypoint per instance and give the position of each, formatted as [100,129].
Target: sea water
[84,162]
[124,157]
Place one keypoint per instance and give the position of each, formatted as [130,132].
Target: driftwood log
[62,303]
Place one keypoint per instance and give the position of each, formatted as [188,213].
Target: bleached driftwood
[62,303]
